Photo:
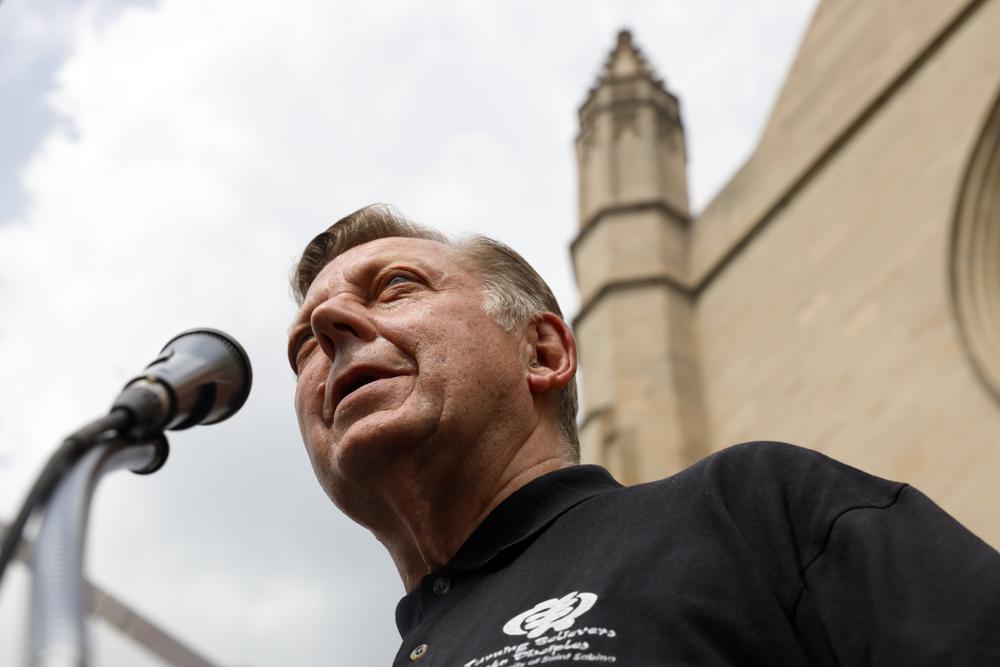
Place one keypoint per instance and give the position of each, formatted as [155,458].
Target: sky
[161,165]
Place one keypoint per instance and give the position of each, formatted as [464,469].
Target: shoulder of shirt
[768,452]
[753,469]
[778,496]
[779,459]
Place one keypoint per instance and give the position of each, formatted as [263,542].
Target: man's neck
[435,516]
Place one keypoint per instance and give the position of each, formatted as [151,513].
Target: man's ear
[552,353]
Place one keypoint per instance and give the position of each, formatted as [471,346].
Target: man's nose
[341,321]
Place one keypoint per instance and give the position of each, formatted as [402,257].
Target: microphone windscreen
[209,374]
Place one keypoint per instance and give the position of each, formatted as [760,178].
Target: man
[436,399]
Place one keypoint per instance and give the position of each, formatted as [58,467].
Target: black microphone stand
[58,634]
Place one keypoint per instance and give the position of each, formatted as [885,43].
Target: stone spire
[631,142]
[627,60]
[643,413]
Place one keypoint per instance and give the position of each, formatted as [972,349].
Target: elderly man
[436,399]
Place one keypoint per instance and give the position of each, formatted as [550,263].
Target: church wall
[834,327]
[852,53]
[848,61]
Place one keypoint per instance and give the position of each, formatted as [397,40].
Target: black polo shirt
[762,554]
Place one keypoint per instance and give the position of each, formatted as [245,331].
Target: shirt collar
[524,513]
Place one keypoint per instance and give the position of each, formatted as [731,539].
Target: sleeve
[900,584]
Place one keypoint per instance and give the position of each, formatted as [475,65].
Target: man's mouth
[357,383]
[354,379]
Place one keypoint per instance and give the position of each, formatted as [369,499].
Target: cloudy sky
[161,164]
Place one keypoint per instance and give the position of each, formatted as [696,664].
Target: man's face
[395,355]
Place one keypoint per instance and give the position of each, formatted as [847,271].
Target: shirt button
[418,652]
[441,586]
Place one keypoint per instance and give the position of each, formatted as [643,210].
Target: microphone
[201,376]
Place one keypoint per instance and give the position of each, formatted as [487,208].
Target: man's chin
[375,442]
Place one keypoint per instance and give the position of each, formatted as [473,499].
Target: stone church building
[841,292]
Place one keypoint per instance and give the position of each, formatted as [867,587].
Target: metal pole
[58,600]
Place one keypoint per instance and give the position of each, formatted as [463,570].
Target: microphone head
[207,375]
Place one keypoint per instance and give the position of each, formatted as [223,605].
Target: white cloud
[200,144]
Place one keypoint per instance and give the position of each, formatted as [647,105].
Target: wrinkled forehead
[361,259]
[355,266]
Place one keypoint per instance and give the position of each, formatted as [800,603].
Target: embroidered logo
[554,614]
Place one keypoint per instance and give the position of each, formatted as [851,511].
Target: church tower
[643,410]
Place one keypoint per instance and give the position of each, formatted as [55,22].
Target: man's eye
[395,284]
[397,279]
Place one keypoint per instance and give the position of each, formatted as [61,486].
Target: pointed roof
[626,61]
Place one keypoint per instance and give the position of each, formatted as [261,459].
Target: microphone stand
[58,604]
